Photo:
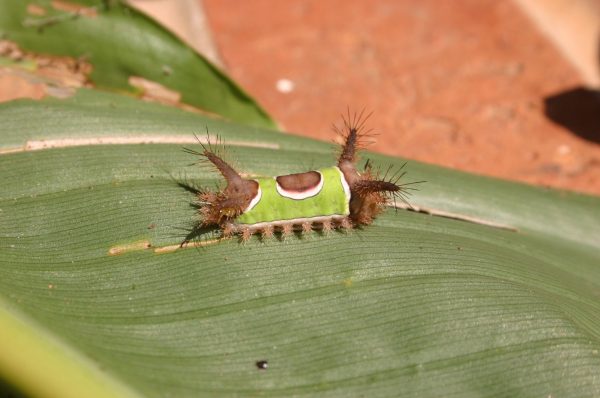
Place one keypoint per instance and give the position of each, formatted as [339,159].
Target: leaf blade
[419,304]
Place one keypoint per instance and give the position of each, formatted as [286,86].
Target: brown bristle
[204,214]
[306,226]
[346,223]
[246,234]
[287,229]
[267,231]
[364,219]
[227,230]
[327,226]
[207,197]
[365,206]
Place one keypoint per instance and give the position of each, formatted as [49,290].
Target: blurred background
[502,88]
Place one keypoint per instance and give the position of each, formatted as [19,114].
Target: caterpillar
[336,197]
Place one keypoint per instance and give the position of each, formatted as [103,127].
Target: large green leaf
[413,305]
[121,42]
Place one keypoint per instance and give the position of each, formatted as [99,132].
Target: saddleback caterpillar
[333,197]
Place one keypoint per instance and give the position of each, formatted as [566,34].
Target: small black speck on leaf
[262,364]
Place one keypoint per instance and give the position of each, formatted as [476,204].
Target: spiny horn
[370,186]
[226,170]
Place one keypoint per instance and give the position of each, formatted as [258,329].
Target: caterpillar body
[333,197]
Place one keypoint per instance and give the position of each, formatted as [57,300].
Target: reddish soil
[461,84]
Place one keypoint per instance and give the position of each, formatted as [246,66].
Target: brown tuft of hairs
[286,230]
[346,223]
[246,234]
[267,231]
[306,226]
[327,226]
[228,230]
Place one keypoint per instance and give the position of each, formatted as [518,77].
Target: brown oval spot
[299,182]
